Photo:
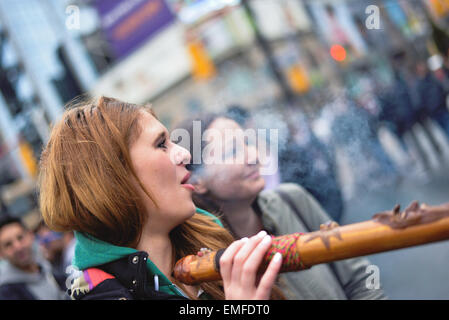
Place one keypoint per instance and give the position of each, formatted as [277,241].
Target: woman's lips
[186,178]
[187,185]
[253,175]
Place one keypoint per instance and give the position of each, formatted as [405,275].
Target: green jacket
[91,252]
[346,279]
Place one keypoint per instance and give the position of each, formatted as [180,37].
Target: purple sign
[128,24]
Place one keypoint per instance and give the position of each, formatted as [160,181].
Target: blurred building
[42,66]
[188,56]
[207,56]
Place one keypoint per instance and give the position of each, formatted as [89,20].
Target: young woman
[234,190]
[111,174]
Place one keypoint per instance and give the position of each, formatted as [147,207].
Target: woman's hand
[239,265]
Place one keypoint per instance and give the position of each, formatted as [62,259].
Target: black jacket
[123,279]
[15,291]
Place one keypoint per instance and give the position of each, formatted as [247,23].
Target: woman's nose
[180,155]
[253,157]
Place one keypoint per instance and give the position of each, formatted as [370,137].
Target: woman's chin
[258,184]
[250,189]
[191,209]
[185,212]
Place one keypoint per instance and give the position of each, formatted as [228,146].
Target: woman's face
[231,178]
[160,167]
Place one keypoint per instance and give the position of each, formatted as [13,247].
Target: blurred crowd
[413,100]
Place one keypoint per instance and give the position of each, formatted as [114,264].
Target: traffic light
[338,53]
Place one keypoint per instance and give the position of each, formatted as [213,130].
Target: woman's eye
[162,144]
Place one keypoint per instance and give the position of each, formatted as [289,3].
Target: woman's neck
[159,249]
[242,218]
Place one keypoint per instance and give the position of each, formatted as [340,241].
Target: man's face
[16,245]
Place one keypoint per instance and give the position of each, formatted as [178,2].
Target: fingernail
[262,234]
[277,257]
[266,240]
[244,239]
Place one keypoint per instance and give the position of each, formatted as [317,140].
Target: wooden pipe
[386,231]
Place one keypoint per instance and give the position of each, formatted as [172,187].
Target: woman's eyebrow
[160,136]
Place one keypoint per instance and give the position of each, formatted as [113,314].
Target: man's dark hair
[7,220]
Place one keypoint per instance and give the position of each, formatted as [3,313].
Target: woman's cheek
[164,168]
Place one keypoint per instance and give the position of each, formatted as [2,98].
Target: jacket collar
[127,264]
[131,267]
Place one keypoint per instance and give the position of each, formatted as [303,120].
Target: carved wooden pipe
[390,230]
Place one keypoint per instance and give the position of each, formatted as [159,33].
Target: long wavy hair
[87,183]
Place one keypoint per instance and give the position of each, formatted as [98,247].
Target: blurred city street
[413,273]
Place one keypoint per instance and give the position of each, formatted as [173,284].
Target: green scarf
[91,252]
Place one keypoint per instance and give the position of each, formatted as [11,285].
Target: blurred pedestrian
[57,247]
[431,97]
[24,275]
[445,66]
[402,109]
[396,102]
[352,131]
[306,161]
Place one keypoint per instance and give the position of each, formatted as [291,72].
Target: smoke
[304,150]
